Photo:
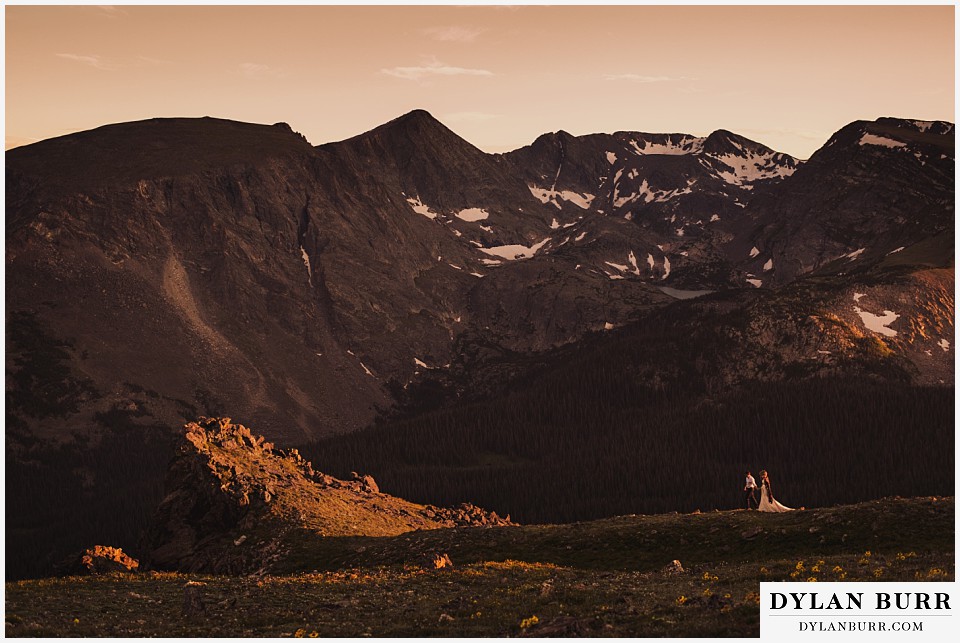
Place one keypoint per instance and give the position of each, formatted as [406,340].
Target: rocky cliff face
[232,498]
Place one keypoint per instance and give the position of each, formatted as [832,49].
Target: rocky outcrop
[233,500]
[467,515]
[100,559]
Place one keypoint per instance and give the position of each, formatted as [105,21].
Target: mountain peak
[417,127]
[413,118]
[723,141]
[417,119]
[417,114]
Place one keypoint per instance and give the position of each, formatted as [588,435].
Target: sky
[786,76]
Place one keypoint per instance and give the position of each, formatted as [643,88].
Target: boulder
[101,559]
[436,561]
[674,567]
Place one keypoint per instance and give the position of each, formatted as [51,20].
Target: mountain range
[162,270]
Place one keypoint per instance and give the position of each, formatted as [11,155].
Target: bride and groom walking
[767,501]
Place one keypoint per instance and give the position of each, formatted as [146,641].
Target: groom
[749,490]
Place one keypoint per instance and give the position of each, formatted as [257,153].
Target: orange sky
[785,76]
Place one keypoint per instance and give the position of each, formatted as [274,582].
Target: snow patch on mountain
[756,283]
[882,141]
[306,262]
[618,266]
[420,208]
[855,254]
[582,201]
[473,214]
[670,194]
[674,147]
[632,258]
[878,323]
[611,158]
[648,194]
[768,266]
[749,167]
[515,251]
[545,195]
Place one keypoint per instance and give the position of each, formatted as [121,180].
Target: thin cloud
[112,64]
[254,69]
[258,70]
[92,60]
[468,117]
[639,78]
[434,68]
[453,33]
[111,11]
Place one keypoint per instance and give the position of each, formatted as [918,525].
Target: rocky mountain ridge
[362,265]
[167,269]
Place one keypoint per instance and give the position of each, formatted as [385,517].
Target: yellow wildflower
[529,622]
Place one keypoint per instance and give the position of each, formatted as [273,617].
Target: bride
[767,502]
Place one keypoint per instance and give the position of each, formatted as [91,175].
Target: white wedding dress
[768,503]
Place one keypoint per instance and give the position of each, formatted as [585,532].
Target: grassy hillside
[605,578]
